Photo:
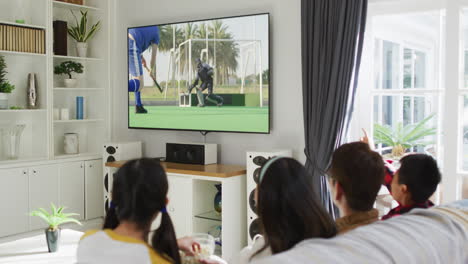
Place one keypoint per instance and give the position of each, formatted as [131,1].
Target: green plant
[56,217]
[68,67]
[402,137]
[80,32]
[16,108]
[5,86]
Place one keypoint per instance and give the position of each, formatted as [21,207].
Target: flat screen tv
[205,75]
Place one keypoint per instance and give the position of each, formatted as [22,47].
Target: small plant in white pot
[54,219]
[5,87]
[67,68]
[81,33]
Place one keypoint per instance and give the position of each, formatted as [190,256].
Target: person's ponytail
[111,221]
[164,240]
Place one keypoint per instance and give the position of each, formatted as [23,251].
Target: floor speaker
[115,152]
[255,160]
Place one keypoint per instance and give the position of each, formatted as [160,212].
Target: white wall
[286,91]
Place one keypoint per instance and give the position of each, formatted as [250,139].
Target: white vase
[71,143]
[3,101]
[11,136]
[82,49]
[70,83]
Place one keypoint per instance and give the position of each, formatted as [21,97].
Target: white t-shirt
[108,247]
[245,256]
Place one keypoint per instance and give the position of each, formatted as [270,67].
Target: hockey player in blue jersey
[139,40]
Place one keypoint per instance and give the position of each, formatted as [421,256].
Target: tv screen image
[208,75]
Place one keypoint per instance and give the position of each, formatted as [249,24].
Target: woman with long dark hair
[139,194]
[288,210]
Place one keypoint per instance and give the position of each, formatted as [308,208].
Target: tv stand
[191,201]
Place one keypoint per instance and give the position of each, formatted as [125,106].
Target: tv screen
[207,75]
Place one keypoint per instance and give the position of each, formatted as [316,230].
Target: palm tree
[226,51]
[166,34]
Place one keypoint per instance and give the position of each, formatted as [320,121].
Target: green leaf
[84,21]
[407,136]
[80,30]
[56,217]
[383,135]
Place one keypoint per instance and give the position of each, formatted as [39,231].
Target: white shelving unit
[42,139]
[64,5]
[22,25]
[76,58]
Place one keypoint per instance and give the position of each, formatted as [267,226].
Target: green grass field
[152,93]
[226,118]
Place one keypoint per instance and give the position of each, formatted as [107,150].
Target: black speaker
[201,154]
[60,37]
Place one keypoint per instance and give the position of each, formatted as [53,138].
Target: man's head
[356,174]
[416,179]
[199,62]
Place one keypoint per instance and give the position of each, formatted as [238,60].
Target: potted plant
[5,87]
[54,219]
[81,33]
[69,67]
[402,137]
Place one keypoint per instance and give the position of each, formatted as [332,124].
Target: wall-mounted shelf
[60,4]
[212,215]
[77,121]
[9,111]
[76,58]
[80,155]
[21,160]
[21,25]
[5,52]
[78,89]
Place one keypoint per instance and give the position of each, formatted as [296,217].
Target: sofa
[423,236]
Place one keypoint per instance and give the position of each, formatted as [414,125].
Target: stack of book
[22,39]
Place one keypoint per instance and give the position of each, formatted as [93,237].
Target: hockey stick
[154,80]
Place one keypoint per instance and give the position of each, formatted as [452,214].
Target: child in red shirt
[413,183]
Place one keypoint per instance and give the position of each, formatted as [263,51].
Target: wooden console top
[212,170]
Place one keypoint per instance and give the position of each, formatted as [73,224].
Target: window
[415,69]
[400,97]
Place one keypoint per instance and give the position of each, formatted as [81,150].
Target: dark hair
[420,173]
[139,192]
[288,209]
[360,172]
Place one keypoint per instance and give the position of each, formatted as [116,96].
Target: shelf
[80,155]
[23,111]
[212,215]
[77,89]
[76,58]
[75,6]
[22,53]
[4,163]
[21,25]
[77,121]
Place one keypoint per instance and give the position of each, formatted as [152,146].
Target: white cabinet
[43,190]
[77,185]
[94,189]
[14,201]
[180,206]
[71,191]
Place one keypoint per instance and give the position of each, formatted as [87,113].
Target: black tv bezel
[210,131]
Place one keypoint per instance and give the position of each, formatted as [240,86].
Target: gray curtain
[332,40]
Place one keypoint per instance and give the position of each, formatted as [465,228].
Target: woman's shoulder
[89,233]
[94,241]
[156,258]
[248,252]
